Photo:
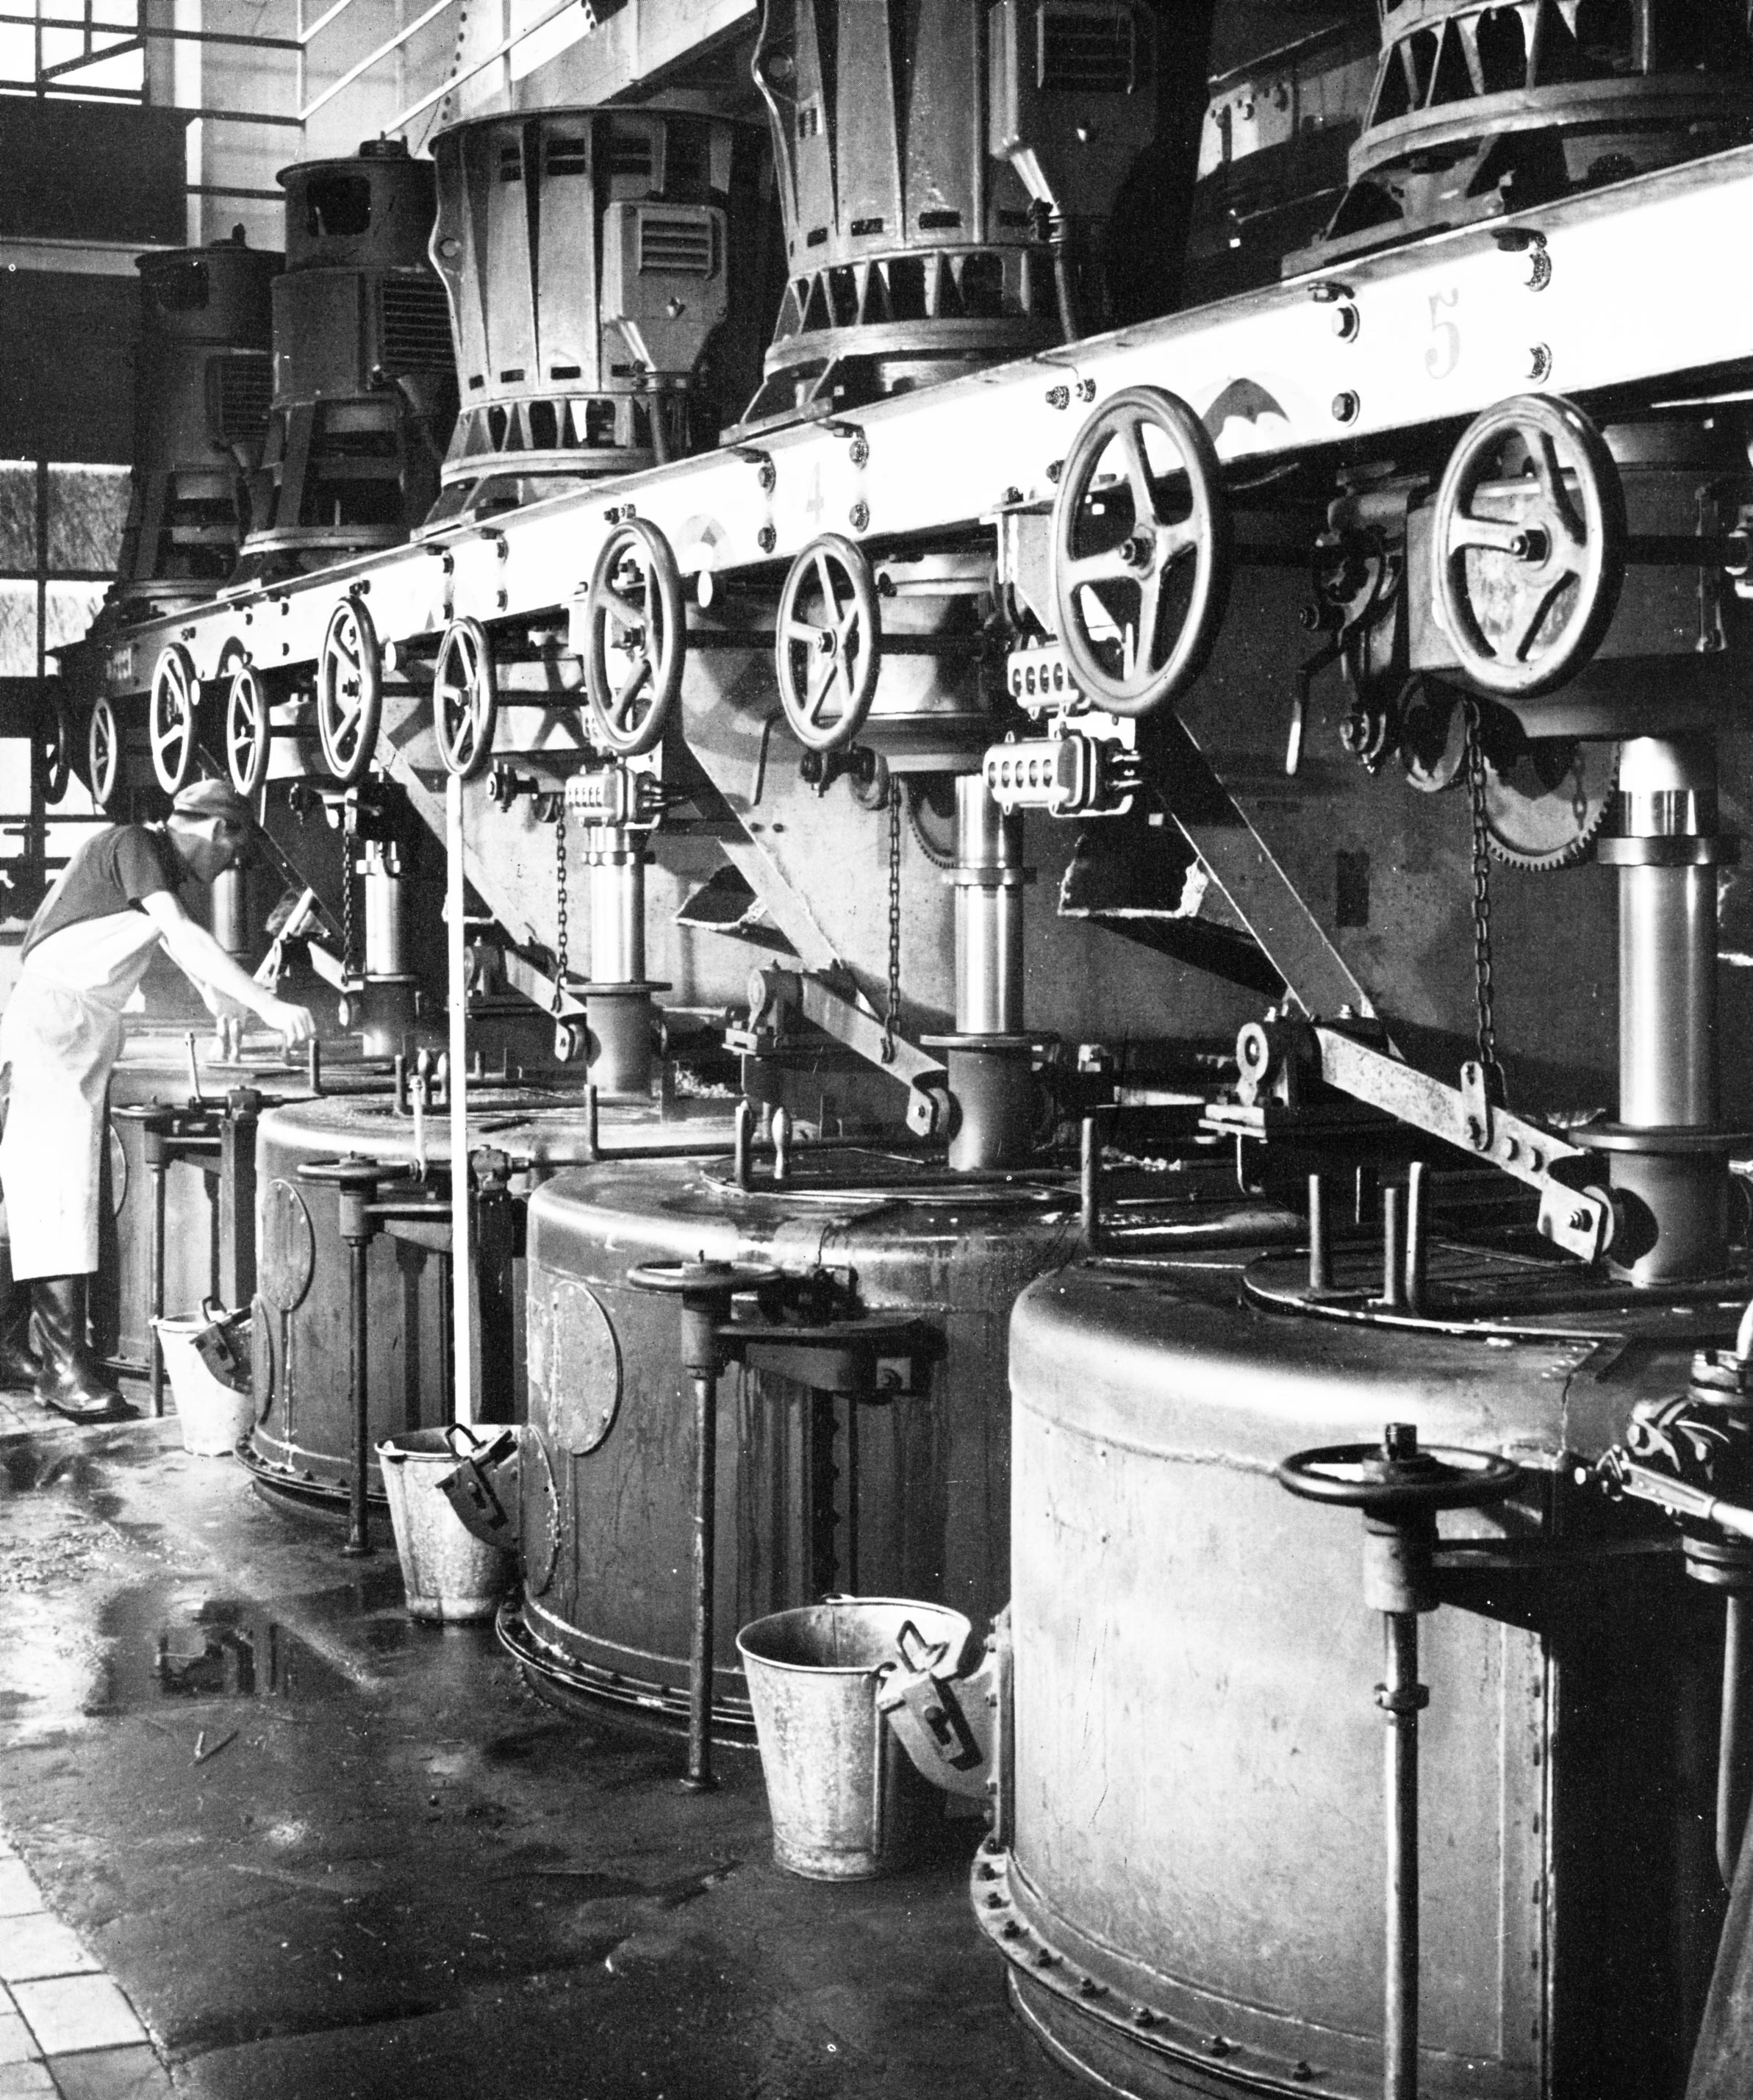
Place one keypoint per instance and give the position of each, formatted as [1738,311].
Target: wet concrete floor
[331,1854]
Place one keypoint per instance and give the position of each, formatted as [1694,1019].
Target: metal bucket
[844,1800]
[447,1572]
[212,1414]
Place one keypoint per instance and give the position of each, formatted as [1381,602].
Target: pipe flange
[994,1044]
[617,987]
[1621,849]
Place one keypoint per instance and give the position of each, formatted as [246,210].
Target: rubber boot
[71,1382]
[19,1362]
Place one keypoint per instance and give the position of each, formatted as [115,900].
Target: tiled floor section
[65,2027]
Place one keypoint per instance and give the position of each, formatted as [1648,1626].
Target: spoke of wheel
[629,692]
[818,692]
[1110,567]
[1551,471]
[804,635]
[825,576]
[622,611]
[1175,542]
[1531,626]
[1131,436]
[1150,617]
[1497,535]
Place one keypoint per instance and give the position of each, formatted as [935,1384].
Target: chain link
[892,1015]
[1476,796]
[559,891]
[349,877]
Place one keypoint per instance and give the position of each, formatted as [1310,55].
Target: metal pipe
[988,880]
[1393,1277]
[461,1233]
[1091,1183]
[616,861]
[155,1269]
[1399,1698]
[1320,1244]
[699,1776]
[1733,1745]
[385,919]
[359,1546]
[1417,1234]
[741,1131]
[230,910]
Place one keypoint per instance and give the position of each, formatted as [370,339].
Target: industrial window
[338,206]
[91,49]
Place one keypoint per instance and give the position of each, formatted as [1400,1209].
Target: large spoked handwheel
[465,699]
[171,719]
[54,752]
[828,647]
[636,638]
[1140,551]
[249,737]
[1528,544]
[103,754]
[349,692]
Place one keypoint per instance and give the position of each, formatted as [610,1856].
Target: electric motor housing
[585,253]
[203,383]
[364,373]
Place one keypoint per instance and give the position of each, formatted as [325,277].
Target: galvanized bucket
[447,1572]
[845,1799]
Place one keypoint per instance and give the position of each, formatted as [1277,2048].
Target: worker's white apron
[60,1036]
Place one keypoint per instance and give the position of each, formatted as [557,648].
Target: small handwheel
[1357,1476]
[54,752]
[249,735]
[1528,544]
[689,1279]
[634,674]
[349,692]
[465,699]
[1141,556]
[828,646]
[103,754]
[171,717]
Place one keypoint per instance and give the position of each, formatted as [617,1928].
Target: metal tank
[1480,109]
[913,1503]
[202,386]
[947,174]
[585,254]
[303,1440]
[1187,1876]
[365,376]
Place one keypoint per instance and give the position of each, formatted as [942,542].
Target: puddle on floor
[181,1642]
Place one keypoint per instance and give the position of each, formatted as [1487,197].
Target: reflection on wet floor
[185,1644]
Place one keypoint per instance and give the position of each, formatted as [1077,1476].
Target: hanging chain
[892,1016]
[559,890]
[1476,796]
[349,876]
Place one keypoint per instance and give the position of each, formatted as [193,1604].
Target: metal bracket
[948,1725]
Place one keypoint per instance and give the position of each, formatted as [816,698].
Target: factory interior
[878,1210]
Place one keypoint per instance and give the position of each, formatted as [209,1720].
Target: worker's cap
[213,798]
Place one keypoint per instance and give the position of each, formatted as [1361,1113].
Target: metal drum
[607,1465]
[1188,1878]
[302,1443]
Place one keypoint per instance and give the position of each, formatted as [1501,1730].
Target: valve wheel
[828,646]
[634,677]
[679,1279]
[55,753]
[171,717]
[1141,556]
[349,692]
[1528,543]
[249,736]
[465,699]
[102,753]
[1356,1476]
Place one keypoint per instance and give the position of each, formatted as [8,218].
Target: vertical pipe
[1091,1183]
[1400,2004]
[462,1350]
[849,1559]
[231,914]
[1417,1233]
[359,1517]
[698,1776]
[386,917]
[1732,1758]
[156,1270]
[1320,1244]
[1394,1278]
[988,913]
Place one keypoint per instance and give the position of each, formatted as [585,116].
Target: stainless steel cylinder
[988,882]
[231,913]
[1666,844]
[386,922]
[617,883]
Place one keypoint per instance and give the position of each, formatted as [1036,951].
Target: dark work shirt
[110,872]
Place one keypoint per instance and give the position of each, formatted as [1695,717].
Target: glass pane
[18,52]
[18,630]
[15,781]
[72,609]
[88,506]
[127,72]
[18,516]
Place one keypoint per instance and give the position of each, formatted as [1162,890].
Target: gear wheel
[1544,809]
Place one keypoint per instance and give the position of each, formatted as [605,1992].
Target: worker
[85,953]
